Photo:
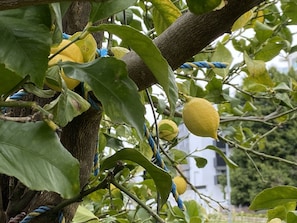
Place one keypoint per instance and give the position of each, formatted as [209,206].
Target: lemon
[87,46]
[72,51]
[200,117]
[181,184]
[168,130]
[71,83]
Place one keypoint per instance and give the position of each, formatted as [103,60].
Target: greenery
[48,138]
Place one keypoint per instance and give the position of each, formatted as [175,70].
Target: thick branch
[187,37]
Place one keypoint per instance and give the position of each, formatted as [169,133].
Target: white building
[205,179]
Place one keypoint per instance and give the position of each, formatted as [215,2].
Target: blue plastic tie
[161,164]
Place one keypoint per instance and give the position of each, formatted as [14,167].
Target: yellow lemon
[181,184]
[71,83]
[200,117]
[87,45]
[168,130]
[72,51]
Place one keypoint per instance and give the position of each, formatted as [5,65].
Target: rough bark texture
[185,38]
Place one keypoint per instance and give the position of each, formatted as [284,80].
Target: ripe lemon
[200,117]
[72,51]
[87,46]
[168,130]
[181,184]
[71,83]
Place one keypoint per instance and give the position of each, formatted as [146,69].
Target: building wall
[204,179]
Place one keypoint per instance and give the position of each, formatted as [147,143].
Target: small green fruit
[168,130]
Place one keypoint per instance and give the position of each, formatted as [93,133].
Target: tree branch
[187,37]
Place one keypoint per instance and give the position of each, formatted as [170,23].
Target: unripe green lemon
[168,130]
[181,184]
[200,117]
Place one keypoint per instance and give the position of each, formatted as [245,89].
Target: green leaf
[214,90]
[25,41]
[67,106]
[104,9]
[83,214]
[272,197]
[152,57]
[110,83]
[281,211]
[263,31]
[271,49]
[164,14]
[242,20]
[8,77]
[32,153]
[255,67]
[228,161]
[200,161]
[194,211]
[202,6]
[222,54]
[289,9]
[161,178]
[292,217]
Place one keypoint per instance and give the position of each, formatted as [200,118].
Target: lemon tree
[181,58]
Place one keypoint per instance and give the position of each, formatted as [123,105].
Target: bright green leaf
[255,67]
[104,9]
[67,106]
[242,20]
[161,178]
[272,197]
[32,153]
[83,214]
[152,58]
[25,41]
[164,14]
[110,83]
[202,6]
[228,161]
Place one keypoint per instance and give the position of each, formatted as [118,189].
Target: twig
[249,150]
[16,119]
[132,196]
